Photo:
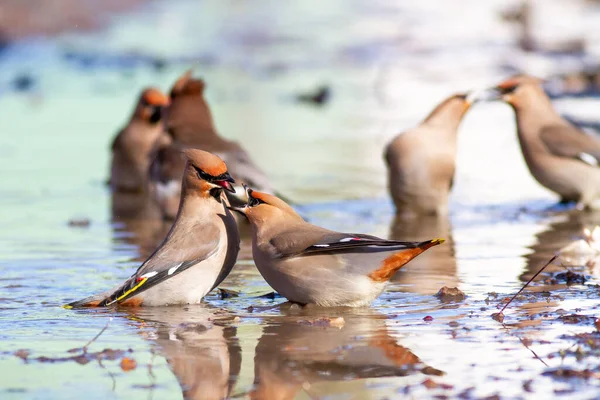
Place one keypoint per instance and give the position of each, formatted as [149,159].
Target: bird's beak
[226,182]
[241,210]
[487,94]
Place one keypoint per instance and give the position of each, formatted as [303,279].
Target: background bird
[190,124]
[131,151]
[308,264]
[561,157]
[421,161]
[199,250]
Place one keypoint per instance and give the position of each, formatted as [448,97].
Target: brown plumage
[561,157]
[293,353]
[190,123]
[132,146]
[131,151]
[309,264]
[199,250]
[421,161]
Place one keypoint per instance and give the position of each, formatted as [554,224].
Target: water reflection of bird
[560,233]
[199,345]
[293,356]
[143,233]
[309,264]
[421,161]
[131,151]
[433,269]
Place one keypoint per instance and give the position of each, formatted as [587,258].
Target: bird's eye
[203,175]
[253,201]
[156,113]
[508,89]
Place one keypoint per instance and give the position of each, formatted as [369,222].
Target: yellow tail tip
[67,307]
[431,243]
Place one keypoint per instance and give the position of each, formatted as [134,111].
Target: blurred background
[72,70]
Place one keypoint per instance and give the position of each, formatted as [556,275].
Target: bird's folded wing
[297,244]
[168,261]
[567,141]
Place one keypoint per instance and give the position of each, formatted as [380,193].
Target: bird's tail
[92,301]
[393,263]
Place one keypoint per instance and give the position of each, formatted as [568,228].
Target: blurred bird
[319,97]
[132,146]
[199,250]
[190,123]
[422,160]
[131,151]
[309,264]
[561,157]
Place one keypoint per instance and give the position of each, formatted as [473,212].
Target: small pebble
[448,294]
[79,223]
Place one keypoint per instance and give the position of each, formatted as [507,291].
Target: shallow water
[387,66]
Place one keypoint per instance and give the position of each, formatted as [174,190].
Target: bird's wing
[298,243]
[174,256]
[568,141]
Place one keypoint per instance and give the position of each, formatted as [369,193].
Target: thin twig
[151,374]
[533,352]
[84,348]
[528,282]
[112,377]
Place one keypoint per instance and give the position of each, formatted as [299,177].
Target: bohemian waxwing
[199,250]
[422,160]
[561,157]
[308,264]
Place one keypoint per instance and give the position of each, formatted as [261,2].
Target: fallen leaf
[498,317]
[22,354]
[128,364]
[431,384]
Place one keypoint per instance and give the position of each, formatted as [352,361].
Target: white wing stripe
[173,269]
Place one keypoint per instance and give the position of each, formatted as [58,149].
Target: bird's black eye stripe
[208,177]
[223,177]
[253,201]
[204,175]
[507,90]
[156,115]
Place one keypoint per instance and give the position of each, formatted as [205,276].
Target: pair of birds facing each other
[147,153]
[305,263]
[422,161]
